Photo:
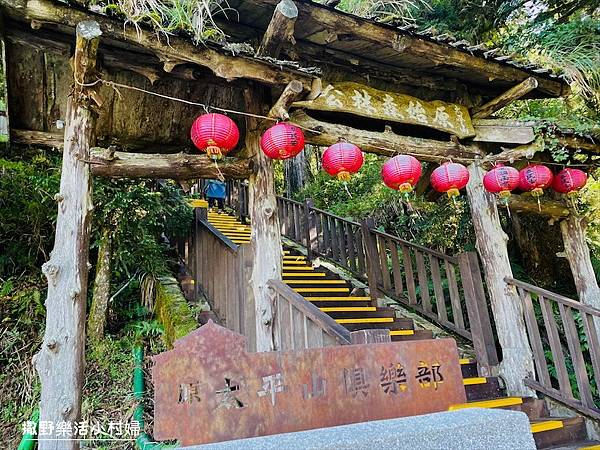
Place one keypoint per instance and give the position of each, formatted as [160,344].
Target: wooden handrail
[553,296]
[220,236]
[324,321]
[421,248]
[335,216]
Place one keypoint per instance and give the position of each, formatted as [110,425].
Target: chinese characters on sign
[84,429]
[209,389]
[365,101]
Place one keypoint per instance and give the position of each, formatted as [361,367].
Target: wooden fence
[447,289]
[563,334]
[299,324]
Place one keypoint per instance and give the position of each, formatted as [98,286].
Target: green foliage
[443,225]
[27,213]
[139,213]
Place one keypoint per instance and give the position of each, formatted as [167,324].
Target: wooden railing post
[373,268]
[311,230]
[478,313]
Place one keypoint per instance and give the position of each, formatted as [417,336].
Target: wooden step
[398,324]
[288,268]
[369,313]
[322,290]
[556,431]
[336,309]
[303,274]
[482,388]
[365,320]
[468,368]
[494,403]
[288,262]
[340,304]
[315,282]
[417,335]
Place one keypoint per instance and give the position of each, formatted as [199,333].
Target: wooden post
[266,233]
[578,255]
[262,205]
[517,361]
[373,269]
[60,361]
[311,230]
[477,311]
[280,30]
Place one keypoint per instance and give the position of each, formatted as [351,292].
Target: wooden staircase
[352,308]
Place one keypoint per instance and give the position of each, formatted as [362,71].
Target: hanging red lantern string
[341,160]
[501,180]
[282,141]
[450,178]
[535,179]
[215,134]
[401,173]
[569,181]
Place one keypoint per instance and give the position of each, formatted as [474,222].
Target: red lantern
[401,173]
[215,134]
[501,180]
[282,141]
[342,160]
[569,181]
[535,179]
[449,178]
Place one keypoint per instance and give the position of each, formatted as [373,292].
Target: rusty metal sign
[209,389]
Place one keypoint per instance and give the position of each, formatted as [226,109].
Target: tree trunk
[517,361]
[101,292]
[578,255]
[266,235]
[60,361]
[295,171]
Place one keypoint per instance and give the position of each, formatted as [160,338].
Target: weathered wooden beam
[280,109]
[280,30]
[341,25]
[502,134]
[348,97]
[172,49]
[527,204]
[514,93]
[511,155]
[49,139]
[105,162]
[60,361]
[382,143]
[575,142]
[517,360]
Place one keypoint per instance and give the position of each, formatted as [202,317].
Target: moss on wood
[172,311]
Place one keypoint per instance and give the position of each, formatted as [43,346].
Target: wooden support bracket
[514,93]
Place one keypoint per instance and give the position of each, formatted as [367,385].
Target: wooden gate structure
[388,90]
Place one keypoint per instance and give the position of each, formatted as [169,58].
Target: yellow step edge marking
[465,361]
[474,380]
[287,261]
[236,234]
[496,403]
[323,289]
[302,274]
[294,257]
[348,309]
[298,267]
[338,299]
[591,447]
[402,332]
[315,281]
[546,425]
[367,320]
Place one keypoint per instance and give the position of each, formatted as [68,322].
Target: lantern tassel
[220,175]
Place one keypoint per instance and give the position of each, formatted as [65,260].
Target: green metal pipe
[143,441]
[28,442]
